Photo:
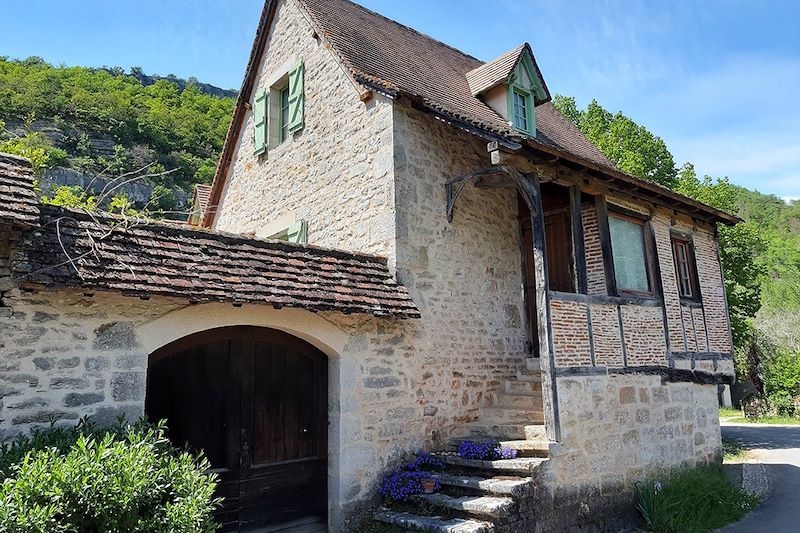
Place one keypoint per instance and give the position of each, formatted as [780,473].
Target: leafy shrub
[692,501]
[399,484]
[782,383]
[489,450]
[126,479]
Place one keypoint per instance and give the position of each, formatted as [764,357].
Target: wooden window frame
[604,212]
[686,240]
[283,114]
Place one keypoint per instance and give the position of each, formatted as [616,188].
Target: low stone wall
[618,431]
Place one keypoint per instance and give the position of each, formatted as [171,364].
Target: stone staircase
[485,496]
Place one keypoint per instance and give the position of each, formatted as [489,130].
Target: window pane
[684,275]
[627,245]
[284,114]
[520,111]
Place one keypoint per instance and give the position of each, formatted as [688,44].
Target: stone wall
[336,172]
[67,355]
[465,276]
[620,430]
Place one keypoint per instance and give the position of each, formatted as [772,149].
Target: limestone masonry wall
[66,356]
[336,172]
[620,430]
[465,276]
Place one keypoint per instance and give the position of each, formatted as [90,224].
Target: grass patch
[726,412]
[692,501]
[785,420]
[733,452]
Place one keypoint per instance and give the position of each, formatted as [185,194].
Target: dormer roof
[499,71]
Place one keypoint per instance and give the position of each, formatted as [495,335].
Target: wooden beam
[578,245]
[522,163]
[605,244]
[528,186]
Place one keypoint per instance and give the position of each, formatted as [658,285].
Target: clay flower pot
[428,485]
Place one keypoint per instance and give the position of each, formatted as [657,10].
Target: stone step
[530,388]
[482,431]
[506,415]
[530,376]
[519,401]
[521,465]
[434,524]
[514,486]
[529,448]
[481,507]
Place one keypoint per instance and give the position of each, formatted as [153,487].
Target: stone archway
[255,400]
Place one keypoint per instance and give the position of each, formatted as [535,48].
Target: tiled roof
[106,253]
[385,54]
[494,72]
[19,202]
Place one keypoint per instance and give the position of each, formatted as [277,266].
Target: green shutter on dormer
[296,97]
[260,121]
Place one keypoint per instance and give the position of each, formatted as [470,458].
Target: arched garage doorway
[255,400]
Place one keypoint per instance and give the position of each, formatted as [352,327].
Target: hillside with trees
[760,256]
[99,124]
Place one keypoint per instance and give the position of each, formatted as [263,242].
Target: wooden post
[578,246]
[528,185]
[605,244]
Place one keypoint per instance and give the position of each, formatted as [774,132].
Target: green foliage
[691,500]
[181,128]
[732,451]
[36,147]
[161,199]
[629,146]
[126,479]
[72,196]
[782,383]
[76,197]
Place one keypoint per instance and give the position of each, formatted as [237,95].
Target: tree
[631,147]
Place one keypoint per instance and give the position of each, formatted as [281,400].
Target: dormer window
[521,109]
[512,86]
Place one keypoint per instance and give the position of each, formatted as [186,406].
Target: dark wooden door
[255,401]
[526,239]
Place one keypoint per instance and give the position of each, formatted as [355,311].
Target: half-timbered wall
[598,330]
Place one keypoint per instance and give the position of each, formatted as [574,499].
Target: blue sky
[718,80]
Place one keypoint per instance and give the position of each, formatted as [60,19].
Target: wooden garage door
[255,400]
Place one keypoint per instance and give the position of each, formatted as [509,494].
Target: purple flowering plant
[489,450]
[401,483]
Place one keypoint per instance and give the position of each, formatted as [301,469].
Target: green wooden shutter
[260,119]
[298,232]
[296,97]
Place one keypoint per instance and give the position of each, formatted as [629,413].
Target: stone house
[403,247]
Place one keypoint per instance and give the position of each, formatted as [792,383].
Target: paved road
[779,448]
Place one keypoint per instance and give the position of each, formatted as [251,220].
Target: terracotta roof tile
[494,72]
[388,55]
[152,259]
[19,202]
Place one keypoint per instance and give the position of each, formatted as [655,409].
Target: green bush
[126,479]
[782,383]
[692,501]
